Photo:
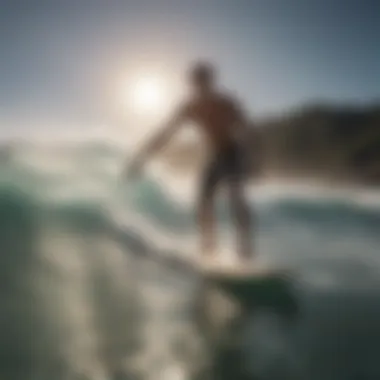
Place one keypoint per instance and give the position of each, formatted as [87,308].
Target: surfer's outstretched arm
[155,144]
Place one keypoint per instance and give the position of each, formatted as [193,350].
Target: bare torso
[216,115]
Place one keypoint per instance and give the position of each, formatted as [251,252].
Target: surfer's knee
[205,209]
[237,198]
[239,204]
[206,199]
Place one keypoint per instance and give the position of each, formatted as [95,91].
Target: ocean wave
[86,295]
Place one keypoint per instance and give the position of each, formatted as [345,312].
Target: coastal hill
[335,143]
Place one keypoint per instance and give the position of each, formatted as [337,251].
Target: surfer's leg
[242,217]
[239,205]
[206,212]
[207,227]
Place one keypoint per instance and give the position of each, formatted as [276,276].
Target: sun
[147,95]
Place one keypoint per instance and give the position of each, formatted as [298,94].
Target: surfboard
[253,286]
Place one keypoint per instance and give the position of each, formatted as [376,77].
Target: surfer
[226,130]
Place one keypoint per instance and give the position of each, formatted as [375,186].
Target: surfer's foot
[246,260]
[208,248]
[207,258]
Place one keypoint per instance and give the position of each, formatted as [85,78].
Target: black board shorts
[226,166]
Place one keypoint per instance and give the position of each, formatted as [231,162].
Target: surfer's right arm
[160,139]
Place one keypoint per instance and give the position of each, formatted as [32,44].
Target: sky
[61,60]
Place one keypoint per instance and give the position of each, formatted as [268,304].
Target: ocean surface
[81,297]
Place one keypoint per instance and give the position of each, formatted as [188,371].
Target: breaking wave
[83,298]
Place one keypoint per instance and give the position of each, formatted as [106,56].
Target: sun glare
[147,95]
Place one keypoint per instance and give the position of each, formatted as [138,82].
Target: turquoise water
[81,298]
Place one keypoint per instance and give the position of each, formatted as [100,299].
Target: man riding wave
[226,130]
